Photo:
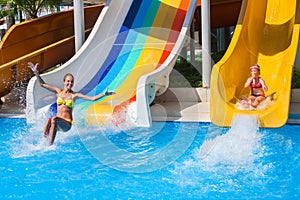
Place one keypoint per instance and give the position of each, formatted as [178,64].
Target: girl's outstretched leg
[53,130]
[47,127]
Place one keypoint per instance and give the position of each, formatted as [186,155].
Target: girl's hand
[107,93]
[33,67]
[250,80]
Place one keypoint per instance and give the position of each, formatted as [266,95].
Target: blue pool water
[169,161]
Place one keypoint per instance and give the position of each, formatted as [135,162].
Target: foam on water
[27,143]
[225,156]
[31,143]
[238,146]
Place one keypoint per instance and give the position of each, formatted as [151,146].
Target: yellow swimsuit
[69,103]
[60,101]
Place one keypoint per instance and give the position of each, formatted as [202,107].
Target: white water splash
[28,144]
[236,147]
[32,143]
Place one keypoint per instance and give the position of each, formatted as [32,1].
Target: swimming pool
[169,161]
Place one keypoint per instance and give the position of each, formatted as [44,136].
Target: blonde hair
[68,74]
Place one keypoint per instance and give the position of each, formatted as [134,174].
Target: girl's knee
[255,103]
[53,120]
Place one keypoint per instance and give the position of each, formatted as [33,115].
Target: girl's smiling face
[68,82]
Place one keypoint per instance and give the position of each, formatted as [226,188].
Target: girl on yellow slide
[257,85]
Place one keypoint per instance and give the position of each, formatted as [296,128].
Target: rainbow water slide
[131,50]
[267,33]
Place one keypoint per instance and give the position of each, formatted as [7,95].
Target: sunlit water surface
[243,162]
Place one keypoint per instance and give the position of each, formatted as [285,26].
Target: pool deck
[176,104]
[179,104]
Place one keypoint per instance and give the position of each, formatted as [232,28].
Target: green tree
[33,7]
[30,7]
[10,11]
[7,11]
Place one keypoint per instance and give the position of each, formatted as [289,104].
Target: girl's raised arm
[41,81]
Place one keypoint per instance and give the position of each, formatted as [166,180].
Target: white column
[192,43]
[206,47]
[78,24]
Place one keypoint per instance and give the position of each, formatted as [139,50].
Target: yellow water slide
[267,34]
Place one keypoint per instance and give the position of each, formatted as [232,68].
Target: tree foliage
[10,8]
[10,11]
[30,7]
[33,7]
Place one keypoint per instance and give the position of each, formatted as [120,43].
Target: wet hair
[68,74]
